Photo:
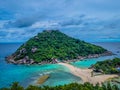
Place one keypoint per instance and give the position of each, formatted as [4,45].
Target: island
[53,46]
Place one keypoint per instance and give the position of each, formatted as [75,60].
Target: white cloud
[45,24]
[20,20]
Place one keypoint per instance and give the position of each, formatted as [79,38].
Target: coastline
[27,61]
[85,74]
[15,68]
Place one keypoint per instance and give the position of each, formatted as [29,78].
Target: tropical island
[52,46]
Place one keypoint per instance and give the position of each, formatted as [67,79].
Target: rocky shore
[28,61]
[107,53]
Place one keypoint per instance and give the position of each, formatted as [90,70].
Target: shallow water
[111,46]
[59,75]
[86,63]
[27,75]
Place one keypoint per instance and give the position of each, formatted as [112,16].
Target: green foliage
[108,66]
[54,44]
[14,86]
[33,88]
[72,86]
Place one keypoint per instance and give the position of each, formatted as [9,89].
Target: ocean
[59,75]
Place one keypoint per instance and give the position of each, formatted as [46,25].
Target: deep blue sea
[59,75]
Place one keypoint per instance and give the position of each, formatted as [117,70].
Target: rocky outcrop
[25,60]
[34,49]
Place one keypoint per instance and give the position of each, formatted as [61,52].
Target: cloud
[24,22]
[72,21]
[96,20]
[78,27]
[94,8]
[37,22]
[45,24]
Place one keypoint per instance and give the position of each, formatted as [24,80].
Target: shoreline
[25,61]
[85,74]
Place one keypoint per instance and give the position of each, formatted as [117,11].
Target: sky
[89,20]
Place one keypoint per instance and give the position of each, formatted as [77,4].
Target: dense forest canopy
[53,44]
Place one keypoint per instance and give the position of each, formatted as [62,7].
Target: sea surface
[59,75]
[114,47]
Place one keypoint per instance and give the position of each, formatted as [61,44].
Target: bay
[59,75]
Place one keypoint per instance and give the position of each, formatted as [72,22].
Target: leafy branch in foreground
[72,86]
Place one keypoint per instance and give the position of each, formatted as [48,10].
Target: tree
[33,88]
[16,86]
[109,86]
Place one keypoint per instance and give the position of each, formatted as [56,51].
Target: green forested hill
[53,44]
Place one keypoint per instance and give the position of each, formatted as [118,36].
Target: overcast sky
[89,20]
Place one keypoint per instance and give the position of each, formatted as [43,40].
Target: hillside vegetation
[108,66]
[53,44]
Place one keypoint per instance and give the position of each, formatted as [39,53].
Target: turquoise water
[86,63]
[111,46]
[27,75]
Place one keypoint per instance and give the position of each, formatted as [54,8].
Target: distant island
[52,46]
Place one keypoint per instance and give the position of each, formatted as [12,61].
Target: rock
[23,50]
[27,57]
[34,49]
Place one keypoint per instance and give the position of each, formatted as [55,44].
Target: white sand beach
[85,74]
